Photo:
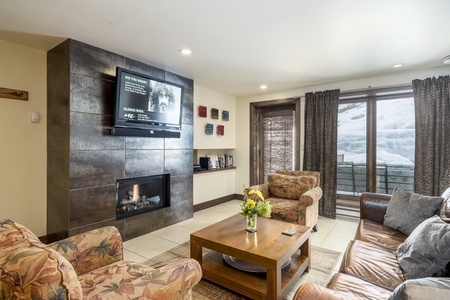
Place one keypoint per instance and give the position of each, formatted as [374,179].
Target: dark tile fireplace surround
[84,160]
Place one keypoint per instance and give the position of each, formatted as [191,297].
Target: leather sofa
[370,269]
[85,266]
[294,196]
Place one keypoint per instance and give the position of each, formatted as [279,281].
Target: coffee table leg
[196,252]
[306,250]
[274,283]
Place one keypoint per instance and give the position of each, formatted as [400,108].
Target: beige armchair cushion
[290,187]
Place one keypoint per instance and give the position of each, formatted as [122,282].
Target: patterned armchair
[294,196]
[85,266]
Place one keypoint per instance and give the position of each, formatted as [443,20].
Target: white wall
[213,185]
[243,104]
[23,150]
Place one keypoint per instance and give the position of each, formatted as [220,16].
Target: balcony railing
[351,178]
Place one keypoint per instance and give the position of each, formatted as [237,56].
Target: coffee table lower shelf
[253,285]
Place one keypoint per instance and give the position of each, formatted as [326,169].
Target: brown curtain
[321,113]
[432,158]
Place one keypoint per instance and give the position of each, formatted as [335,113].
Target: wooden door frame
[255,132]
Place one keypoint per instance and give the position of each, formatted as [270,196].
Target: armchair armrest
[172,281]
[373,206]
[311,291]
[264,188]
[310,197]
[91,250]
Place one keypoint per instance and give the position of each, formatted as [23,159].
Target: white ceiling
[240,44]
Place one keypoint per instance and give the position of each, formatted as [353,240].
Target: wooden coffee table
[267,248]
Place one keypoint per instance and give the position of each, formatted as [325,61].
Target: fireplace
[142,194]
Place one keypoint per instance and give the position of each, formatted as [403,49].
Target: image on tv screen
[145,100]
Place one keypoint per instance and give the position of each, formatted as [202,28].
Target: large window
[375,141]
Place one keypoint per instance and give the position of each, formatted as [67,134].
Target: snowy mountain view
[395,132]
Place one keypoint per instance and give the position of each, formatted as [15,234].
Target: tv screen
[145,102]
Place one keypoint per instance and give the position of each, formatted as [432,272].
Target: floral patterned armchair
[85,266]
[294,196]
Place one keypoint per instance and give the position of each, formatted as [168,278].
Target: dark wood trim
[13,94]
[214,202]
[255,128]
[213,170]
[371,145]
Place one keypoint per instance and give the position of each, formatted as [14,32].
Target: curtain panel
[321,114]
[432,157]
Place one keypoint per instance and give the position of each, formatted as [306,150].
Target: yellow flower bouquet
[254,204]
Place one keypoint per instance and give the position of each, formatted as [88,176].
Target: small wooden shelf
[250,284]
[213,170]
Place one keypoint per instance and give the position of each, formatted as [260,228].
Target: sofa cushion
[407,210]
[423,288]
[290,187]
[357,287]
[284,209]
[372,263]
[427,250]
[376,233]
[32,270]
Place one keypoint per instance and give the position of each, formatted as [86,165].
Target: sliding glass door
[375,142]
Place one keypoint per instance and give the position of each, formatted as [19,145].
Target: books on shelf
[221,161]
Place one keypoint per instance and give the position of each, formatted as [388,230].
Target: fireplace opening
[142,194]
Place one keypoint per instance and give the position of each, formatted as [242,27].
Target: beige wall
[212,99]
[23,150]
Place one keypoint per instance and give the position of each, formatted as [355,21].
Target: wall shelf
[213,170]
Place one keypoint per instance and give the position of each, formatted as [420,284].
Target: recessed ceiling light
[185,51]
[447,60]
[397,66]
[263,87]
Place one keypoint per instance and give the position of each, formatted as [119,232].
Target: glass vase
[251,223]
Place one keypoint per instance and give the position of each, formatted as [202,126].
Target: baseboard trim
[214,202]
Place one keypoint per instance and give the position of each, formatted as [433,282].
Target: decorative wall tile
[144,163]
[96,168]
[92,205]
[92,132]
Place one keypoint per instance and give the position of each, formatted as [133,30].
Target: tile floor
[332,234]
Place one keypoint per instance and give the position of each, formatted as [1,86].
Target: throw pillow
[427,250]
[423,288]
[290,187]
[406,210]
[445,212]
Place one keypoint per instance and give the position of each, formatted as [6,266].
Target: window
[376,131]
[278,140]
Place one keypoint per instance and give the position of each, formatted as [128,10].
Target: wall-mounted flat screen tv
[144,102]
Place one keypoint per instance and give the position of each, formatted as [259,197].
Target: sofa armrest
[373,206]
[310,197]
[91,250]
[172,281]
[311,291]
[263,188]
